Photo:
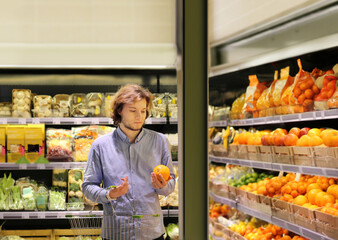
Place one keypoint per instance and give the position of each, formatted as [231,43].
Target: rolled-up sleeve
[167,161]
[93,178]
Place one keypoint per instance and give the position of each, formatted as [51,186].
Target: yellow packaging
[3,143]
[33,143]
[15,142]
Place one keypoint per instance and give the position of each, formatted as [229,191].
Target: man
[126,158]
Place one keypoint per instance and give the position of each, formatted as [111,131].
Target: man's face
[133,115]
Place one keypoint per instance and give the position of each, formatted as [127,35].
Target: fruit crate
[253,201]
[304,217]
[242,197]
[220,189]
[242,151]
[219,150]
[326,157]
[253,152]
[281,209]
[326,224]
[232,193]
[233,150]
[266,153]
[282,154]
[303,156]
[40,234]
[264,204]
[72,234]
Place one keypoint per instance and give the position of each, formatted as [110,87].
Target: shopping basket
[113,227]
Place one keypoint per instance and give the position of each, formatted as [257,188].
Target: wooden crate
[39,234]
[71,233]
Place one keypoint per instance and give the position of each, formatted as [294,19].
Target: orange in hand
[163,170]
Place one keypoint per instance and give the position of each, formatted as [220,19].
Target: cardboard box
[3,143]
[266,153]
[281,209]
[253,200]
[326,224]
[265,204]
[303,156]
[34,147]
[253,152]
[326,157]
[242,197]
[304,217]
[282,154]
[15,142]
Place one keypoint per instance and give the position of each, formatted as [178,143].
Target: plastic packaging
[21,103]
[328,82]
[253,92]
[75,194]
[59,145]
[15,200]
[95,103]
[303,91]
[333,101]
[5,185]
[172,105]
[78,105]
[83,138]
[5,109]
[42,198]
[237,107]
[57,200]
[42,106]
[60,178]
[160,106]
[108,97]
[60,105]
[28,191]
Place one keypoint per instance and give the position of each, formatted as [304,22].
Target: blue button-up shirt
[113,157]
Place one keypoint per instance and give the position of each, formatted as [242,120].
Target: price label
[22,120]
[41,215]
[56,120]
[95,121]
[3,120]
[36,120]
[41,166]
[298,175]
[25,215]
[60,215]
[22,166]
[281,173]
[77,121]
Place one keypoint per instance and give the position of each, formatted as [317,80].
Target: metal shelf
[73,121]
[64,214]
[328,172]
[307,116]
[271,219]
[222,123]
[173,121]
[227,201]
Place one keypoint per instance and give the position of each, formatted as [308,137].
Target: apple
[295,130]
[290,139]
[303,131]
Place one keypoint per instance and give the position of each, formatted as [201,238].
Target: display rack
[271,219]
[328,172]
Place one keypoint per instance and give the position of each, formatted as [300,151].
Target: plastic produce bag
[78,105]
[60,178]
[15,200]
[108,97]
[328,83]
[28,192]
[252,94]
[75,194]
[160,106]
[5,186]
[83,139]
[59,147]
[42,198]
[60,105]
[303,91]
[237,107]
[57,200]
[95,102]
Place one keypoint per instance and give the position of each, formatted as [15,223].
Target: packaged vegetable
[333,101]
[303,91]
[159,106]
[78,105]
[95,104]
[108,97]
[60,178]
[59,145]
[237,106]
[57,200]
[252,94]
[5,185]
[327,91]
[83,139]
[42,106]
[60,105]
[5,109]
[42,198]
[15,200]
[75,194]
[21,103]
[28,192]
[172,105]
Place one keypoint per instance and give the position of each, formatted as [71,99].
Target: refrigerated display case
[275,46]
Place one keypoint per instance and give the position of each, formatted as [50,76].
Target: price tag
[298,175]
[3,120]
[281,173]
[25,215]
[61,215]
[95,121]
[22,120]
[77,121]
[36,120]
[41,166]
[41,215]
[22,166]
[56,120]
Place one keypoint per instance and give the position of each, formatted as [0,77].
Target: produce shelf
[327,172]
[271,219]
[48,166]
[72,121]
[307,116]
[63,214]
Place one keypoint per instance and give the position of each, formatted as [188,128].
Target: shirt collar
[125,138]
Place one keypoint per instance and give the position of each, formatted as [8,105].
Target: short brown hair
[130,93]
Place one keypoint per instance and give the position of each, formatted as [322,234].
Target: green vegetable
[173,231]
[57,200]
[15,201]
[77,175]
[5,184]
[98,238]
[74,187]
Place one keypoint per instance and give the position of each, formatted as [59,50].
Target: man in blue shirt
[126,158]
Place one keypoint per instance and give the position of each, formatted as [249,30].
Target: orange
[294,193]
[318,198]
[325,199]
[163,170]
[311,195]
[330,138]
[315,140]
[333,189]
[304,141]
[313,186]
[314,132]
[301,200]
